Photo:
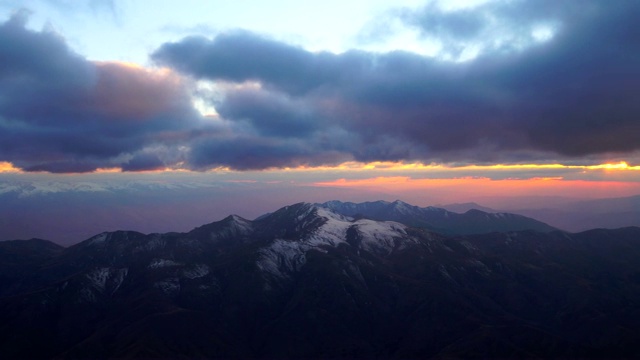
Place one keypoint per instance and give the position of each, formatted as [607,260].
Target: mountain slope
[439,220]
[307,282]
[19,258]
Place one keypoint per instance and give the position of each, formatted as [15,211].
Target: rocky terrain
[327,280]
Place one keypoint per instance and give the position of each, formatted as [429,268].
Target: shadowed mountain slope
[308,282]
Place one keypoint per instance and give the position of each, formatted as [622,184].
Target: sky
[429,101]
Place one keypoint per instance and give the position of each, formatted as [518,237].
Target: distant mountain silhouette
[308,282]
[581,215]
[464,207]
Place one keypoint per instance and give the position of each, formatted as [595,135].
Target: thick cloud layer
[568,94]
[525,98]
[62,113]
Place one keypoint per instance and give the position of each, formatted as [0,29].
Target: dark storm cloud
[144,162]
[67,166]
[27,56]
[573,98]
[271,114]
[521,99]
[255,153]
[62,113]
[243,56]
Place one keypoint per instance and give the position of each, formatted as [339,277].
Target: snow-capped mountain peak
[321,229]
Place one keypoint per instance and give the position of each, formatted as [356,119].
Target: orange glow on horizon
[400,166]
[108,170]
[467,186]
[381,166]
[7,167]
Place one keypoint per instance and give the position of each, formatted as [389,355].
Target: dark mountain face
[20,258]
[306,281]
[439,220]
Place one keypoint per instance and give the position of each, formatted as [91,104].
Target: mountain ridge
[307,282]
[473,221]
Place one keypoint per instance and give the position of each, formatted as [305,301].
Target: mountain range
[471,221]
[580,215]
[31,209]
[573,215]
[333,280]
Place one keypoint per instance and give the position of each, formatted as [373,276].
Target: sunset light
[425,101]
[6,167]
[287,179]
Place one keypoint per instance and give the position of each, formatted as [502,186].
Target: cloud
[243,152]
[62,113]
[271,114]
[240,56]
[144,162]
[492,26]
[571,95]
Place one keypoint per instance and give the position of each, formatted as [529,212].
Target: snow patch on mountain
[381,236]
[282,257]
[479,267]
[99,239]
[103,280]
[118,279]
[332,232]
[196,271]
[157,241]
[229,227]
[234,226]
[402,207]
[308,210]
[169,286]
[162,263]
[243,226]
[470,247]
[98,278]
